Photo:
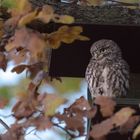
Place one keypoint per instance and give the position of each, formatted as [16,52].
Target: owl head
[105,48]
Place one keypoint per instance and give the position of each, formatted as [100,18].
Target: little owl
[107,73]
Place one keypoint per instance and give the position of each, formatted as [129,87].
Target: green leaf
[68,85]
[8,3]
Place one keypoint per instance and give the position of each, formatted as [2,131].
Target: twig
[70,135]
[4,124]
[31,131]
[37,135]
[6,116]
[57,125]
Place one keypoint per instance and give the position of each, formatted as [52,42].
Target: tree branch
[57,125]
[4,124]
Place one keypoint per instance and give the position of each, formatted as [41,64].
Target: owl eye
[102,49]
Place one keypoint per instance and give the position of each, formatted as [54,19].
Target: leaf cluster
[21,44]
[30,50]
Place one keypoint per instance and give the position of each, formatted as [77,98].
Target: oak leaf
[81,104]
[3,61]
[81,107]
[117,120]
[122,116]
[65,34]
[1,28]
[3,102]
[46,14]
[26,106]
[19,69]
[65,19]
[102,129]
[107,105]
[15,132]
[73,123]
[51,103]
[136,132]
[27,18]
[70,34]
[54,40]
[40,122]
[130,124]
[26,45]
[18,57]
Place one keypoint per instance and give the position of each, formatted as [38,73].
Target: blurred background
[13,86]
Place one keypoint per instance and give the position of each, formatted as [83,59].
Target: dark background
[71,60]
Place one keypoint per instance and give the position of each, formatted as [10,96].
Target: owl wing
[94,78]
[90,75]
[118,78]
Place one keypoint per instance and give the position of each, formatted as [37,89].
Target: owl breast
[108,79]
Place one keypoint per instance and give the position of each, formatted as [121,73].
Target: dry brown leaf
[74,115]
[41,123]
[72,122]
[136,132]
[21,14]
[65,19]
[20,39]
[82,107]
[107,105]
[36,47]
[83,38]
[65,34]
[3,102]
[75,123]
[12,22]
[19,69]
[81,104]
[26,45]
[102,129]
[24,109]
[15,132]
[35,68]
[130,124]
[91,113]
[46,14]
[54,40]
[27,18]
[18,57]
[73,30]
[3,61]
[70,34]
[122,116]
[28,105]
[117,120]
[1,28]
[51,103]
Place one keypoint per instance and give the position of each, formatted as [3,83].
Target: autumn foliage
[30,50]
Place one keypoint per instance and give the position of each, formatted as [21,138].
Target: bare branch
[4,124]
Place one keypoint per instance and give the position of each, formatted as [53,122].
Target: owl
[107,73]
